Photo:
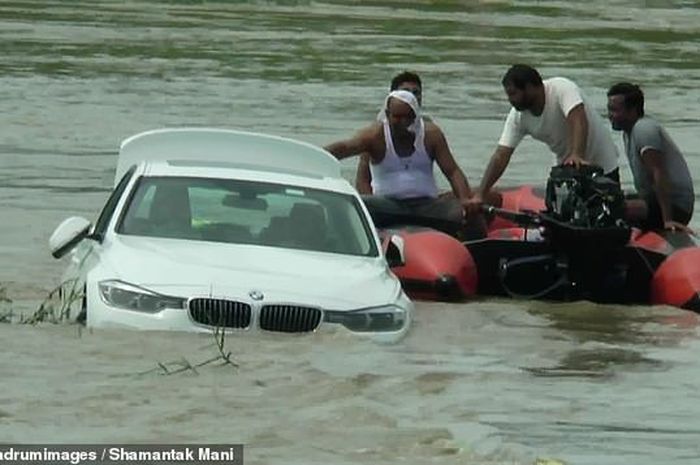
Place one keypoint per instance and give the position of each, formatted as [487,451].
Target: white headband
[408,98]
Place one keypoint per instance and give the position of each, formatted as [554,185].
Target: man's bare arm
[576,131]
[448,166]
[653,161]
[363,177]
[497,165]
[360,142]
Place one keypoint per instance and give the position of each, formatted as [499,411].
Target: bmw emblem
[256,295]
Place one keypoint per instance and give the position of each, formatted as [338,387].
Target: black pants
[654,219]
[443,213]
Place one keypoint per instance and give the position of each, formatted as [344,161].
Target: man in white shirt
[555,112]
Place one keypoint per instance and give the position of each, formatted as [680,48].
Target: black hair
[520,75]
[632,95]
[406,76]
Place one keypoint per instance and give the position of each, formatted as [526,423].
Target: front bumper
[239,316]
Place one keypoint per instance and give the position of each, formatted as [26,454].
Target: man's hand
[676,226]
[574,159]
[473,204]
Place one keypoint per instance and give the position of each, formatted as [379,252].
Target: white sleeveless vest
[403,177]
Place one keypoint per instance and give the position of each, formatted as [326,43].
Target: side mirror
[67,235]
[395,254]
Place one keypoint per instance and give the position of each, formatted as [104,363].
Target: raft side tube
[438,266]
[517,199]
[677,280]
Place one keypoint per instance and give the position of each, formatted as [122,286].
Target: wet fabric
[444,214]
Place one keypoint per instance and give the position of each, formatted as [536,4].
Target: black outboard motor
[585,226]
[582,256]
[584,197]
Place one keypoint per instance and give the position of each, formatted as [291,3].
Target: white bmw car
[210,228]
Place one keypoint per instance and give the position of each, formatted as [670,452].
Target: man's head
[402,110]
[408,81]
[399,114]
[625,105]
[523,86]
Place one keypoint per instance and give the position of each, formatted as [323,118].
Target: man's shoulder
[558,81]
[431,126]
[647,133]
[560,87]
[374,129]
[645,126]
[432,131]
[563,94]
[647,122]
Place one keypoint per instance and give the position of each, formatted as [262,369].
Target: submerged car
[210,228]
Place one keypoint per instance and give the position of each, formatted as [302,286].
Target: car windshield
[245,212]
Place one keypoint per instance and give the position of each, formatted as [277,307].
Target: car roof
[223,170]
[222,149]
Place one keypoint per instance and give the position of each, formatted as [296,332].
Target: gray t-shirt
[647,134]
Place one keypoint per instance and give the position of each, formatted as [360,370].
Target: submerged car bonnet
[234,271]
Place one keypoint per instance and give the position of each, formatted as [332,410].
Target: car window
[244,212]
[145,201]
[108,210]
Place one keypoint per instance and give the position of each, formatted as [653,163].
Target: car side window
[112,201]
[145,202]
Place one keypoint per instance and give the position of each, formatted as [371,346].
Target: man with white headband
[405,80]
[402,148]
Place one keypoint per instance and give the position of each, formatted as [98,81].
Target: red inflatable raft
[525,258]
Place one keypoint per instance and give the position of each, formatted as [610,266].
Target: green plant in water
[183,365]
[5,307]
[58,304]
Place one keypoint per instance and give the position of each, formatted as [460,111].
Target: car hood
[193,268]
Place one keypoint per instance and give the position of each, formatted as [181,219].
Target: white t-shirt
[560,96]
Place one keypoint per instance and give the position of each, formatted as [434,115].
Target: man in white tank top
[556,112]
[406,80]
[402,148]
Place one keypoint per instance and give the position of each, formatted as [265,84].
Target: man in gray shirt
[661,175]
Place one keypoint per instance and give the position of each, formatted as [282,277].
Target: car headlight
[131,297]
[376,319]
